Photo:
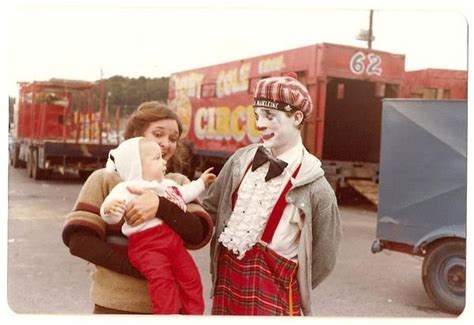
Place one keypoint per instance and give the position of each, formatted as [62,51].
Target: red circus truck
[60,125]
[347,85]
[435,84]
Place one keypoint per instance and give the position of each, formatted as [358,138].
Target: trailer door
[352,119]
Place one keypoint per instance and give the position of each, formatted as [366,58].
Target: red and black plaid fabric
[262,283]
[279,92]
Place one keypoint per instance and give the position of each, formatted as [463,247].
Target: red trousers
[174,283]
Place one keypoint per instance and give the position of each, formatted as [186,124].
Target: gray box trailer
[422,192]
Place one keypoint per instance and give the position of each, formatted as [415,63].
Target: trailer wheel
[15,157]
[36,171]
[444,275]
[29,163]
[84,174]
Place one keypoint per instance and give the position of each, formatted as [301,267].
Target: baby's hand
[208,177]
[115,208]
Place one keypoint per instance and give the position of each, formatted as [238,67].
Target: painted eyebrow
[264,110]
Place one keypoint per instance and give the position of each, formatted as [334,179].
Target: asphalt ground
[44,279]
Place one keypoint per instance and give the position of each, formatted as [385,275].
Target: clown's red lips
[267,136]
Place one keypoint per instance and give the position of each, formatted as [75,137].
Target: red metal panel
[219,125]
[313,130]
[42,119]
[101,108]
[359,63]
[444,84]
[321,109]
[225,122]
[45,111]
[33,114]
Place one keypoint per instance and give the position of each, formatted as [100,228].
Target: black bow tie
[276,165]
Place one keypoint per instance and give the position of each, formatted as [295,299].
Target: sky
[85,40]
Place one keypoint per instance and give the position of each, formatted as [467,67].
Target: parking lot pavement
[43,278]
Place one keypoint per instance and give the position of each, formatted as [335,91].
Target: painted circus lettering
[223,123]
[270,65]
[233,81]
[189,84]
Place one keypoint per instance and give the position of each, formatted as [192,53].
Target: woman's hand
[143,208]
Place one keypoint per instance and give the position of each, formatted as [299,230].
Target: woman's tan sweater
[115,283]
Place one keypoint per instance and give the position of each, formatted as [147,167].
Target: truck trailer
[60,125]
[423,192]
[346,85]
[435,84]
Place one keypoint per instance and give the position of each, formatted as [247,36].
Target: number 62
[357,64]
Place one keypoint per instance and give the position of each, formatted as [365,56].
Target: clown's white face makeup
[278,131]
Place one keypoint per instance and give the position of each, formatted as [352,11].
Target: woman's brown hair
[149,112]
[146,113]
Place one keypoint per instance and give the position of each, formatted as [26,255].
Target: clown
[276,216]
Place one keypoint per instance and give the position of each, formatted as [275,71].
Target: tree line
[128,93]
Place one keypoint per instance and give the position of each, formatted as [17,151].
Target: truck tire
[37,172]
[29,163]
[444,275]
[15,157]
[84,174]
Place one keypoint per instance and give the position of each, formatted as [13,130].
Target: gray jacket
[311,193]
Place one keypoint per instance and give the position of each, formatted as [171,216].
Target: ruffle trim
[251,212]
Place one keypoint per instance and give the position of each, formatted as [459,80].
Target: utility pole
[369,39]
[367,35]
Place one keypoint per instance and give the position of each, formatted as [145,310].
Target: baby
[174,282]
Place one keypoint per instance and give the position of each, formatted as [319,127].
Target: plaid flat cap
[283,93]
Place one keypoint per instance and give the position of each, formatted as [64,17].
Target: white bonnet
[125,159]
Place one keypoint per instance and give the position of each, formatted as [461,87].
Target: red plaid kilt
[262,283]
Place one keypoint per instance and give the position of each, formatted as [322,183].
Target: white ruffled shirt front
[255,201]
